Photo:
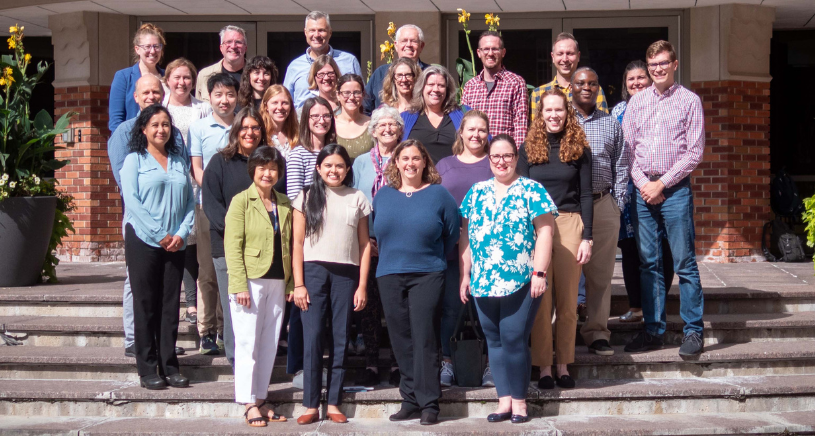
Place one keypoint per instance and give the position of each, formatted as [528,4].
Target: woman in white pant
[257,244]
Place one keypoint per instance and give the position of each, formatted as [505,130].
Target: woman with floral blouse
[503,265]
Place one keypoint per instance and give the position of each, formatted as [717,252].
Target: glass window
[201,48]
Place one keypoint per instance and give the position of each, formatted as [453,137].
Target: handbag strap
[468,312]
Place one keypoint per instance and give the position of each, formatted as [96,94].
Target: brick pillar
[98,215]
[731,196]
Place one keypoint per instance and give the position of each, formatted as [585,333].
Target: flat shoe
[339,418]
[546,382]
[631,316]
[308,419]
[254,422]
[519,419]
[275,417]
[429,418]
[178,381]
[499,417]
[153,382]
[404,415]
[565,382]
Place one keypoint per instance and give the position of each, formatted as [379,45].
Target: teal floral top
[502,236]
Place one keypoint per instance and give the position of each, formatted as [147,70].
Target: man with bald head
[609,179]
[148,92]
[409,44]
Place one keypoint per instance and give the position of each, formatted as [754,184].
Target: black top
[236,74]
[569,184]
[437,140]
[276,268]
[223,179]
[256,102]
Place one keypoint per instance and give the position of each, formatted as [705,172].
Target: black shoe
[692,345]
[499,417]
[519,419]
[191,318]
[565,381]
[404,415]
[179,351]
[208,345]
[153,382]
[601,347]
[178,381]
[546,382]
[130,351]
[644,342]
[395,378]
[429,418]
[368,379]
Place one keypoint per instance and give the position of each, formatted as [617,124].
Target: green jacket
[249,239]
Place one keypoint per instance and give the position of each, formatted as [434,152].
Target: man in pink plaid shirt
[498,92]
[665,127]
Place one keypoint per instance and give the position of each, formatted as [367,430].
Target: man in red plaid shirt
[498,92]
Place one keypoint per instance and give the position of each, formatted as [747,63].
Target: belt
[598,195]
[654,177]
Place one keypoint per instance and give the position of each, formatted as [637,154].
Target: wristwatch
[539,274]
[590,241]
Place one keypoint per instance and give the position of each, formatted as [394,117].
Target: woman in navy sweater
[411,271]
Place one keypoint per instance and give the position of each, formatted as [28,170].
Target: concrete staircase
[757,374]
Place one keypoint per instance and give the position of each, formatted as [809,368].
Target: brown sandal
[254,422]
[275,417]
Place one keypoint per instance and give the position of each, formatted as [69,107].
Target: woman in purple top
[468,166]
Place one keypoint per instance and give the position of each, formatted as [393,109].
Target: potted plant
[32,211]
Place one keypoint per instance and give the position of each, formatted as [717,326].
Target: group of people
[293,212]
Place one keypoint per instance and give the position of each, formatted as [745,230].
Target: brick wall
[98,215]
[731,185]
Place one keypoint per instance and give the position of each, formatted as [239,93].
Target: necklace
[409,194]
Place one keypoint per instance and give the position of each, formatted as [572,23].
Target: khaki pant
[564,277]
[210,313]
[600,269]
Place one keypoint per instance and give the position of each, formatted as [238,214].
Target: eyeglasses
[409,41]
[235,42]
[255,129]
[328,75]
[490,49]
[496,158]
[148,47]
[404,76]
[318,117]
[348,94]
[387,125]
[663,65]
[586,85]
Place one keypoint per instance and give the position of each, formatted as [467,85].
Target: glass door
[199,41]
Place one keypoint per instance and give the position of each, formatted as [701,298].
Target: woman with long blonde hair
[556,154]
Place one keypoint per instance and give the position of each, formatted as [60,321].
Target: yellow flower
[386,47]
[27,57]
[12,29]
[2,81]
[7,71]
[463,16]
[12,43]
[391,29]
[492,21]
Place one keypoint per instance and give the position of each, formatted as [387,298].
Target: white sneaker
[447,377]
[297,382]
[486,379]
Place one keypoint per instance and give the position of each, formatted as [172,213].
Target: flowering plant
[466,68]
[27,145]
[388,48]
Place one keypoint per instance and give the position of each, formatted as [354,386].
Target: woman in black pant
[416,223]
[160,210]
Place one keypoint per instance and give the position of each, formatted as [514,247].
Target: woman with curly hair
[258,75]
[556,154]
[411,272]
[397,86]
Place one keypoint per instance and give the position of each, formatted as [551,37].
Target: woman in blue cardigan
[435,115]
[148,45]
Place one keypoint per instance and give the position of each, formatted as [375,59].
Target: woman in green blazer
[257,244]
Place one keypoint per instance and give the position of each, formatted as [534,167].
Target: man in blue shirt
[318,33]
[148,91]
[409,44]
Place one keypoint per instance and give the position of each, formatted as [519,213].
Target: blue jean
[507,322]
[674,216]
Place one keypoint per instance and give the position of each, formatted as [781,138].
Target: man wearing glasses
[409,44]
[498,92]
[318,34]
[609,178]
[233,47]
[664,126]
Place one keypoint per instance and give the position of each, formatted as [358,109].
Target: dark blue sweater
[414,233]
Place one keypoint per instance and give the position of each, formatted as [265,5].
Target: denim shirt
[157,202]
[296,80]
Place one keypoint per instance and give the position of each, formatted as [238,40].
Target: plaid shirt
[536,96]
[610,158]
[666,134]
[505,106]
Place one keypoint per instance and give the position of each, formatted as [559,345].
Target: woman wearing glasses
[352,124]
[503,265]
[322,82]
[148,45]
[397,87]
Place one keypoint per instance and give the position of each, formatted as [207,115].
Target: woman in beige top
[351,123]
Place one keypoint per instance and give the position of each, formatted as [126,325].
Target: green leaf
[43,121]
[464,68]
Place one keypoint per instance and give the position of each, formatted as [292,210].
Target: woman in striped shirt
[316,131]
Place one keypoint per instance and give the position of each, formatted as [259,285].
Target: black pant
[631,269]
[412,304]
[331,288]
[191,275]
[155,277]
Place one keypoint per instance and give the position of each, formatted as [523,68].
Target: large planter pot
[26,224]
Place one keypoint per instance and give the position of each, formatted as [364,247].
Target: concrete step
[108,363]
[592,397]
[766,423]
